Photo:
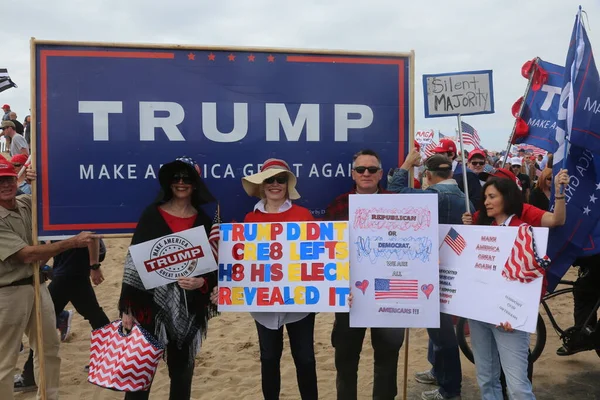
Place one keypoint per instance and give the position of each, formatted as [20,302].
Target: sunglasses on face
[16,165]
[361,170]
[7,180]
[281,179]
[478,163]
[185,178]
[549,179]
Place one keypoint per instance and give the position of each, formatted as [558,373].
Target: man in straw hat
[443,353]
[17,255]
[386,342]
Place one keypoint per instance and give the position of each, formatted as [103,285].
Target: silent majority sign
[292,266]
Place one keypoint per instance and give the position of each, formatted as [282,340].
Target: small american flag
[456,242]
[215,235]
[396,289]
[470,135]
[429,149]
[5,81]
[523,264]
[534,150]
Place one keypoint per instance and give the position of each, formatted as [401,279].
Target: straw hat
[271,167]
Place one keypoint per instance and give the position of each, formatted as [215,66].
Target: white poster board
[394,260]
[424,137]
[164,260]
[472,259]
[284,266]
[454,93]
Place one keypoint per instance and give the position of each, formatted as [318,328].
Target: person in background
[19,161]
[18,145]
[447,148]
[443,353]
[18,126]
[348,342]
[17,311]
[540,195]
[475,164]
[27,125]
[275,186]
[176,313]
[6,109]
[516,169]
[499,347]
[71,274]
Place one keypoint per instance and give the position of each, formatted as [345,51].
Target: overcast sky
[446,35]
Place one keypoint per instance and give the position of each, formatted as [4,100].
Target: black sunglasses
[16,165]
[361,170]
[182,177]
[281,179]
[478,162]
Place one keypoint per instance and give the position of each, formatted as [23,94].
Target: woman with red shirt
[497,348]
[275,185]
[177,313]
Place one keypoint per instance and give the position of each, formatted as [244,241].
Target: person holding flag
[163,311]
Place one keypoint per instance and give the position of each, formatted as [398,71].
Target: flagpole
[464,163]
[514,129]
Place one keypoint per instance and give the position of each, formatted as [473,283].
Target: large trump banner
[108,116]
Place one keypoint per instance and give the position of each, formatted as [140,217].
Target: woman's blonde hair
[542,183]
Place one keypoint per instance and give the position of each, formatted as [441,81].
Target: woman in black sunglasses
[275,185]
[162,311]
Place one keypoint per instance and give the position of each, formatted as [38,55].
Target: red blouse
[177,224]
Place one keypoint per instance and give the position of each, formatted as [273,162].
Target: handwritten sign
[424,137]
[164,260]
[464,93]
[290,266]
[394,261]
[472,285]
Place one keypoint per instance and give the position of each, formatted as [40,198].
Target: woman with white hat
[275,185]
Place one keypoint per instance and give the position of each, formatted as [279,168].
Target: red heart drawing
[427,289]
[362,285]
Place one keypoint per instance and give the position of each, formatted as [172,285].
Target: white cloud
[446,36]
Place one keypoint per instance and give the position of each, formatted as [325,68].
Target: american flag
[470,135]
[396,289]
[534,150]
[5,82]
[456,242]
[429,149]
[215,235]
[523,264]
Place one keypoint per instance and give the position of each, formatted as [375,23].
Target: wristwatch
[94,267]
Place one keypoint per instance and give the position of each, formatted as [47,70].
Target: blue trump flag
[541,109]
[567,242]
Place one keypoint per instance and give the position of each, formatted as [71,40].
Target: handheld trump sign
[164,260]
[289,266]
[484,273]
[108,115]
[394,261]
[458,93]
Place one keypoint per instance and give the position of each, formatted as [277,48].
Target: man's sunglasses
[16,165]
[480,163]
[182,177]
[281,179]
[361,170]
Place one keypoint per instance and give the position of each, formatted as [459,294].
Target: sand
[228,365]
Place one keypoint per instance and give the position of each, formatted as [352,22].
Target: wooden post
[36,265]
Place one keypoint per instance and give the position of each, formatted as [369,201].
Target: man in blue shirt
[443,353]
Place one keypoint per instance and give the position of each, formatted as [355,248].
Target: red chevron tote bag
[122,362]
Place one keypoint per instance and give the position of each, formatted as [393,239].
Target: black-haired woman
[501,205]
[162,310]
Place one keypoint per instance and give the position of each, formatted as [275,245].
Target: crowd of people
[511,192]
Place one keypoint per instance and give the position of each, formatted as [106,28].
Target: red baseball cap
[502,173]
[445,146]
[6,169]
[19,159]
[4,107]
[476,152]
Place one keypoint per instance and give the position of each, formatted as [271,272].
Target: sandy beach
[228,366]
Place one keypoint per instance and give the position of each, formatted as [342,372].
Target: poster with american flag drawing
[495,276]
[394,261]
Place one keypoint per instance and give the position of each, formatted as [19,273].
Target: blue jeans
[493,345]
[444,356]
